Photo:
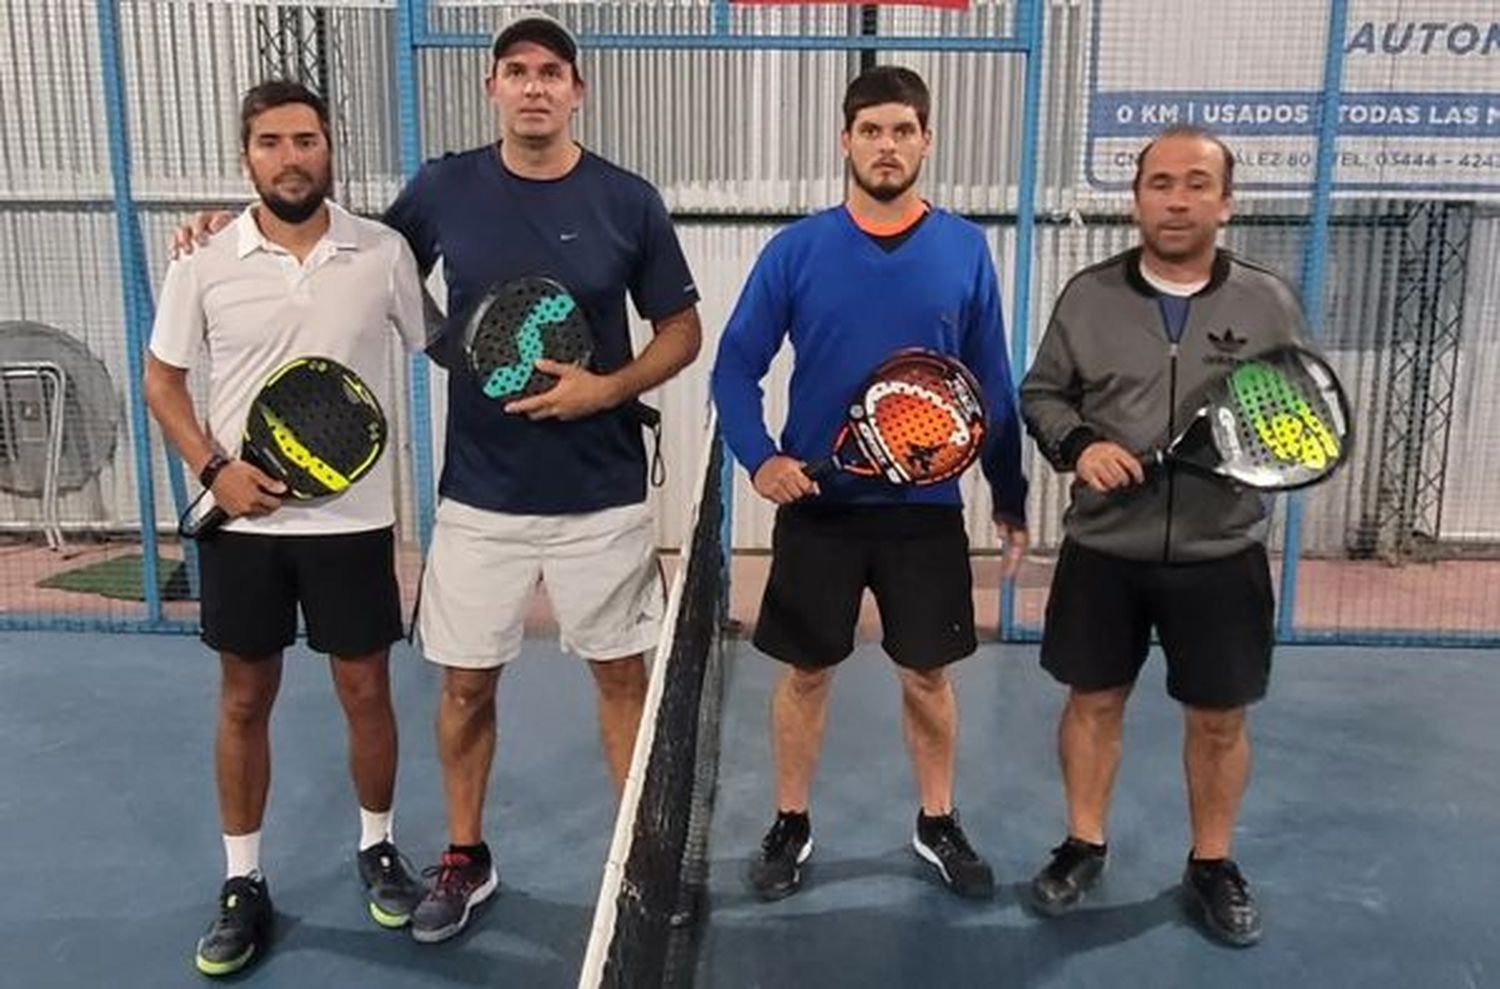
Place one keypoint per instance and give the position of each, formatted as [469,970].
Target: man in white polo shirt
[293,276]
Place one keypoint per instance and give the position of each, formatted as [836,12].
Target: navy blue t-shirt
[599,230]
[1174,314]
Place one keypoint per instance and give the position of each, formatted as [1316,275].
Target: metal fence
[118,119]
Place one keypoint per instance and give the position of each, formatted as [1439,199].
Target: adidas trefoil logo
[1227,342]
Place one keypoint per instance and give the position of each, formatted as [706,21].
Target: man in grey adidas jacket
[1130,342]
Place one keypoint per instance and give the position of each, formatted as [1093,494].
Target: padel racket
[918,419]
[1276,422]
[521,322]
[314,426]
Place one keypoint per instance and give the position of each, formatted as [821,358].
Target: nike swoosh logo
[567,237]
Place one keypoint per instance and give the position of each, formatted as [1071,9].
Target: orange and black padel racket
[918,419]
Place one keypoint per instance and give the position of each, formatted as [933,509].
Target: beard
[297,210]
[886,191]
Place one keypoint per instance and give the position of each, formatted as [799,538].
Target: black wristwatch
[210,470]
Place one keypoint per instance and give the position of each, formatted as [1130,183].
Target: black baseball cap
[543,29]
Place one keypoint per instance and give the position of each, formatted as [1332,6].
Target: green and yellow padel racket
[315,426]
[1278,421]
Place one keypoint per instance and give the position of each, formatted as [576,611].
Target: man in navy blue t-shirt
[550,487]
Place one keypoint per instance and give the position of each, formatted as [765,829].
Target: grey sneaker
[460,883]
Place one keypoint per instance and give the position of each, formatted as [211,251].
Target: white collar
[341,233]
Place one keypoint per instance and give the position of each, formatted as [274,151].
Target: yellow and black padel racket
[1276,422]
[315,426]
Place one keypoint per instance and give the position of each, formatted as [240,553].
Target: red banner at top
[947,4]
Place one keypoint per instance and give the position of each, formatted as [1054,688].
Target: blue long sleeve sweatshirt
[846,305]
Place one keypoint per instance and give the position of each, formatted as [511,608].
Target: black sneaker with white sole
[941,842]
[460,883]
[776,868]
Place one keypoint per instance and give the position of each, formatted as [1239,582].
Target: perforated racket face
[921,419]
[1282,422]
[518,324]
[316,426]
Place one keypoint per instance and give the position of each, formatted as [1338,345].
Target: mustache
[294,172]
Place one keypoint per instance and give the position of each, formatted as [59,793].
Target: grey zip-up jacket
[1106,369]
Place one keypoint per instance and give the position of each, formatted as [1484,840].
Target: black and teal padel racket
[521,322]
[1276,422]
[518,324]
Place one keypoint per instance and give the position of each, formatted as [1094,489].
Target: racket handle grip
[202,519]
[819,470]
[644,414]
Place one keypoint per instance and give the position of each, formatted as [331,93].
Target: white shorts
[600,570]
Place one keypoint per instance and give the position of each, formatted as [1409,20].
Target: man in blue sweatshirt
[850,286]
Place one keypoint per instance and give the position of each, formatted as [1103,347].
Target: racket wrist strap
[210,470]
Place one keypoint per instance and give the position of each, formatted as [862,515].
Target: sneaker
[1219,898]
[1063,882]
[242,929]
[775,870]
[460,883]
[390,887]
[942,842]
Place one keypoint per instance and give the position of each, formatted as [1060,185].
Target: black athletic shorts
[914,558]
[1214,620]
[345,585]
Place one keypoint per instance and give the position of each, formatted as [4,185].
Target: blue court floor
[109,836]
[1368,831]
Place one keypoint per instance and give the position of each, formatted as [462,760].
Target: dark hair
[886,84]
[1188,130]
[274,93]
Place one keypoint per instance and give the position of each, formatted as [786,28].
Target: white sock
[374,827]
[242,854]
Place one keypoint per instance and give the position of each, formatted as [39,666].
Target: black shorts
[344,583]
[1215,620]
[914,558]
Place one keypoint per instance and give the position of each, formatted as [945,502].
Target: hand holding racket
[918,419]
[1278,421]
[528,336]
[314,428]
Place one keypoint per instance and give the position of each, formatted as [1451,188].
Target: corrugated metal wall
[746,133]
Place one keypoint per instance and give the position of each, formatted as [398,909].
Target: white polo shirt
[246,305]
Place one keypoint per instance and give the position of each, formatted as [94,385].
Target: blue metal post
[1314,269]
[726,524]
[135,285]
[411,22]
[744,42]
[1029,31]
